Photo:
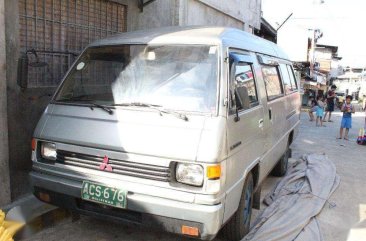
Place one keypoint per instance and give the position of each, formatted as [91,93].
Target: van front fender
[233,193]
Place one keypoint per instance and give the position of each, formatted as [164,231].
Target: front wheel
[239,224]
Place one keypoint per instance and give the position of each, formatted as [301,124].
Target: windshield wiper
[75,98]
[140,104]
[103,107]
[89,102]
[155,107]
[176,114]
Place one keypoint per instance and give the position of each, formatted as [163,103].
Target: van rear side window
[292,78]
[272,82]
[289,81]
[286,79]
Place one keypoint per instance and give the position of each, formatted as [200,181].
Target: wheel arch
[291,137]
[233,197]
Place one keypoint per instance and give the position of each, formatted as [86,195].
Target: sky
[341,21]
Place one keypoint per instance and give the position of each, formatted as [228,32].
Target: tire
[281,167]
[239,224]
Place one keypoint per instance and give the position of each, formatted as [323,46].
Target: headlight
[48,151]
[191,174]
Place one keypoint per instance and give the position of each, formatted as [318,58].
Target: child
[320,111]
[364,108]
[347,109]
[313,108]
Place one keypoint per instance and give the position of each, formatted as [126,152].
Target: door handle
[260,123]
[270,113]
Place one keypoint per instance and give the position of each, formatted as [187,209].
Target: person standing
[313,107]
[364,108]
[320,111]
[348,110]
[330,103]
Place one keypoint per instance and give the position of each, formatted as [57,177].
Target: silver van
[172,128]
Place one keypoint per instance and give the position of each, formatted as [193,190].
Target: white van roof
[196,35]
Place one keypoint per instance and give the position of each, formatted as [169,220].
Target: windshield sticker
[212,50]
[80,66]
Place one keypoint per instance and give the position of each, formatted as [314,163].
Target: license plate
[102,194]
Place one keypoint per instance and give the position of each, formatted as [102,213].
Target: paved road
[347,221]
[344,222]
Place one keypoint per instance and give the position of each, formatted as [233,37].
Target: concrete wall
[4,157]
[157,14]
[231,13]
[24,107]
[199,13]
[247,11]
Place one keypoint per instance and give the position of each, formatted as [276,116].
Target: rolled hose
[8,228]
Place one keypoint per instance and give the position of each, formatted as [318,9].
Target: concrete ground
[344,222]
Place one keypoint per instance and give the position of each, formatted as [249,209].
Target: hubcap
[248,204]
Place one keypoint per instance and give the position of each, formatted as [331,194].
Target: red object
[33,144]
[105,166]
[361,139]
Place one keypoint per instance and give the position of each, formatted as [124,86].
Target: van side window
[243,87]
[286,79]
[292,78]
[272,82]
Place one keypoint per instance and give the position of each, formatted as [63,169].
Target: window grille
[59,30]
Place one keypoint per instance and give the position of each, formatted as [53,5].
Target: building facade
[352,82]
[42,38]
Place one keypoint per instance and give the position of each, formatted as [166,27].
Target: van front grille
[121,167]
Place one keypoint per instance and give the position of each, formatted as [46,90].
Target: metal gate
[57,30]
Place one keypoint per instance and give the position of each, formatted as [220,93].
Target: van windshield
[177,77]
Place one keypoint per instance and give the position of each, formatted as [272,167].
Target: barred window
[59,30]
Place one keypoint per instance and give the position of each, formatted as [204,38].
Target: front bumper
[146,210]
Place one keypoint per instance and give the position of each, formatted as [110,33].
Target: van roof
[196,35]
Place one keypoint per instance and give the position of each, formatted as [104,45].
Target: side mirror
[22,78]
[23,63]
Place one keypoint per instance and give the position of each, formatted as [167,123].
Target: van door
[245,118]
[276,113]
[292,102]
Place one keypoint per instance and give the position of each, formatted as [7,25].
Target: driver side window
[243,89]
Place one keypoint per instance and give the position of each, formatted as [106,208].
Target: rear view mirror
[22,78]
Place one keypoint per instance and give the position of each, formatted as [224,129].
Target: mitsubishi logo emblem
[105,166]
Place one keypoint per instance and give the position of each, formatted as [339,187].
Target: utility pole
[317,34]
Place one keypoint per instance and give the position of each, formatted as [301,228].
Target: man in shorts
[330,103]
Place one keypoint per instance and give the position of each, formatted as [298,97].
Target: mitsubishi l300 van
[173,128]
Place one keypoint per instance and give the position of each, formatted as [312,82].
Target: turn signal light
[33,144]
[214,172]
[191,231]
[44,197]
